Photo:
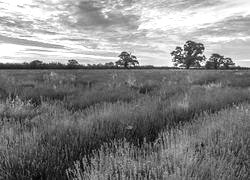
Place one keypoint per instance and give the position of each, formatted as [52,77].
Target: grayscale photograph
[124,89]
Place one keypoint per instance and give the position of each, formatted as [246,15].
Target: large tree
[126,60]
[190,55]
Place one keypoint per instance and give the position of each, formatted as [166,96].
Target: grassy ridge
[42,135]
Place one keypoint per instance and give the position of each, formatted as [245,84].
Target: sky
[96,31]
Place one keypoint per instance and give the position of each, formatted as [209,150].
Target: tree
[36,64]
[73,62]
[191,54]
[126,60]
[215,61]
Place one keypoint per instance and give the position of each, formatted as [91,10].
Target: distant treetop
[73,62]
[126,60]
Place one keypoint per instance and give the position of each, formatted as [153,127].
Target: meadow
[124,124]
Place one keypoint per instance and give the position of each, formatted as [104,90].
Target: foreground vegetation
[52,119]
[213,146]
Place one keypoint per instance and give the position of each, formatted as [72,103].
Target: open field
[124,124]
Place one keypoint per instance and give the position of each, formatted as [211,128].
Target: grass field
[124,124]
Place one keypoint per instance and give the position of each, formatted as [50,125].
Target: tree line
[191,55]
[73,64]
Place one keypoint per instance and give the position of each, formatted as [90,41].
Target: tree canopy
[126,60]
[190,55]
[73,62]
[226,62]
[216,61]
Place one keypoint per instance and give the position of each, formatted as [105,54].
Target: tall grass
[214,146]
[87,98]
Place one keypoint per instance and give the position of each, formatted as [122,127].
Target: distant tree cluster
[72,64]
[37,64]
[191,55]
[127,60]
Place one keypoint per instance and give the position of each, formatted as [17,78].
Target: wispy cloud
[97,30]
[25,42]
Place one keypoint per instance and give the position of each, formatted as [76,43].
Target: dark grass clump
[239,80]
[3,94]
[88,98]
[37,95]
[205,78]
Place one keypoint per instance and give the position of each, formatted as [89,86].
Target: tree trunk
[189,61]
[126,65]
[215,66]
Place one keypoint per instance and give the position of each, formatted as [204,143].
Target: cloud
[235,27]
[198,15]
[25,42]
[100,29]
[38,50]
[98,14]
